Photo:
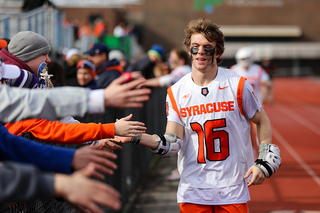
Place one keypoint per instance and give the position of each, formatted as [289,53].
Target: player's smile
[201,58]
[202,61]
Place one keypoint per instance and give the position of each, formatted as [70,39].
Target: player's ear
[218,53]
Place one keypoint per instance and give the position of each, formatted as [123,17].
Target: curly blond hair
[209,30]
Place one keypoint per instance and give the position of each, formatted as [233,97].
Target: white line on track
[295,155]
[313,110]
[299,118]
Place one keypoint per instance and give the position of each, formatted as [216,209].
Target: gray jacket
[17,104]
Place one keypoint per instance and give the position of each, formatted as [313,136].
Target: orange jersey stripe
[239,94]
[173,101]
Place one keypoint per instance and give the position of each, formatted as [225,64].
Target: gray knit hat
[27,45]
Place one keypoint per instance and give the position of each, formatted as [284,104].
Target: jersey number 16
[210,135]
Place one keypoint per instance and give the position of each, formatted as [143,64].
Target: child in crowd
[86,74]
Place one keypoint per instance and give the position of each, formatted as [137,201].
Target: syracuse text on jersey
[207,108]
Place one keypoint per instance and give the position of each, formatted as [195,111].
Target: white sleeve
[250,103]
[96,101]
[165,80]
[179,72]
[174,76]
[171,113]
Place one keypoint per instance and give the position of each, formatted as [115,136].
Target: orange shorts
[198,208]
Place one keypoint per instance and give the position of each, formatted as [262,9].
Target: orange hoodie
[56,132]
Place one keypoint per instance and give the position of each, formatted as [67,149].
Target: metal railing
[44,21]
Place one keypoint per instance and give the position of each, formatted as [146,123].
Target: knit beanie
[156,50]
[27,45]
[88,65]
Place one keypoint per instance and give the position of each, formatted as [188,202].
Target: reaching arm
[57,132]
[23,183]
[50,104]
[18,104]
[47,158]
[152,82]
[166,145]
[75,133]
[50,158]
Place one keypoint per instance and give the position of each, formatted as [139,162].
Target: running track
[295,120]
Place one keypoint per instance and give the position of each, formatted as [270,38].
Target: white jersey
[216,151]
[255,74]
[174,76]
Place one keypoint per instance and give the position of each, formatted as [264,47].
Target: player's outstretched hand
[257,176]
[127,128]
[126,95]
[84,193]
[83,156]
[109,144]
[123,139]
